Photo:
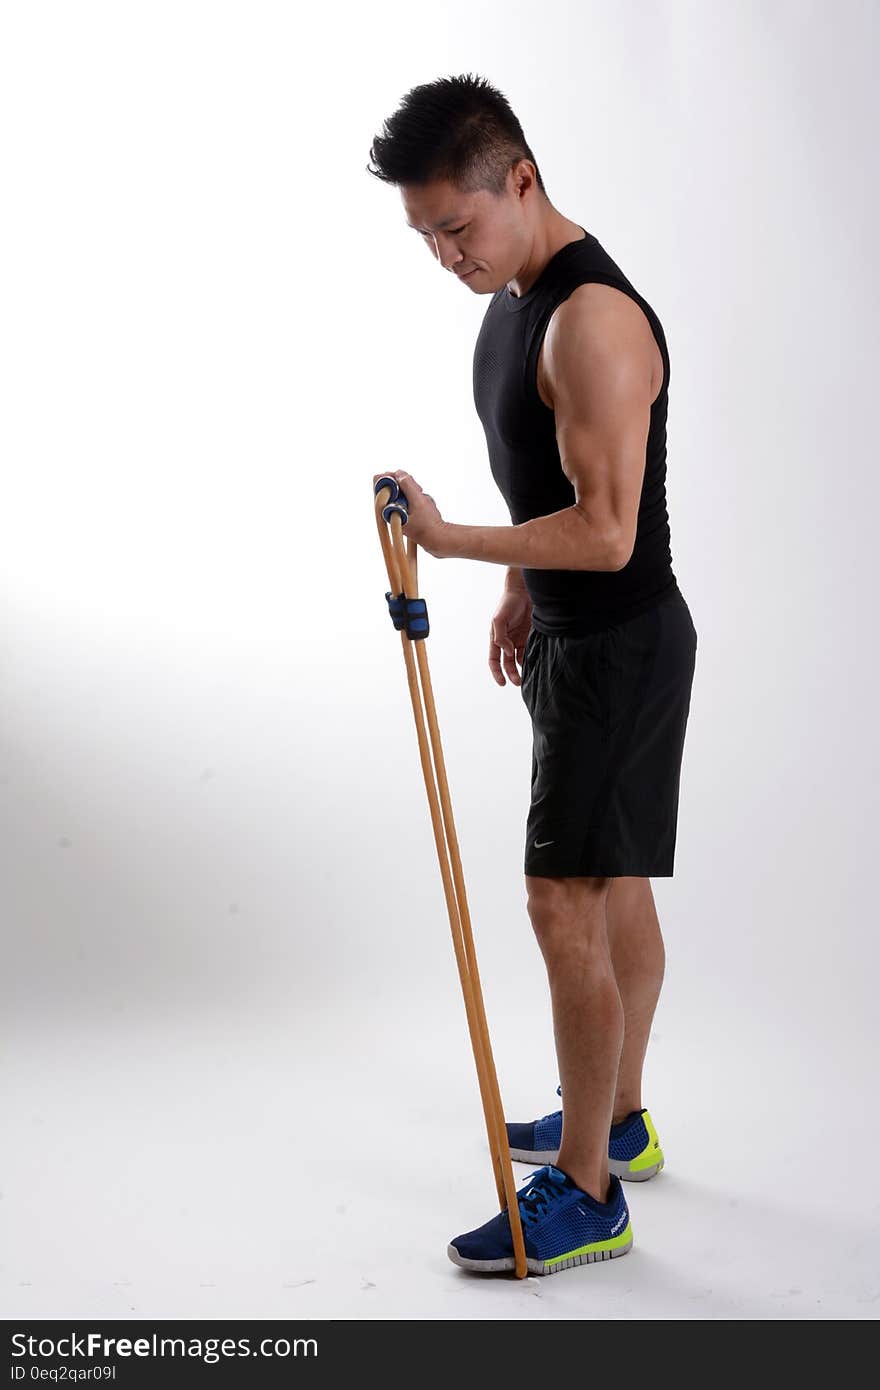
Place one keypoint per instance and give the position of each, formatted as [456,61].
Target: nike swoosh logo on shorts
[539,844]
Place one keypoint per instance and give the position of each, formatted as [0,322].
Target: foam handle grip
[399,507]
[387,481]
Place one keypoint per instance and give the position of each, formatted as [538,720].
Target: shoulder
[597,324]
[595,309]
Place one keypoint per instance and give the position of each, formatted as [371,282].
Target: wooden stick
[401,565]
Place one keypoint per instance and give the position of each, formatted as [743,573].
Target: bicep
[598,365]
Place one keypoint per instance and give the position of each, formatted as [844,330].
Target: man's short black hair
[460,129]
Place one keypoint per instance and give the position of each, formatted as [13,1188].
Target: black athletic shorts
[609,713]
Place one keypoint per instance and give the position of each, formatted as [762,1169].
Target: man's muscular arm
[598,358]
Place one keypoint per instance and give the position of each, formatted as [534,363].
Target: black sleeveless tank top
[524,457]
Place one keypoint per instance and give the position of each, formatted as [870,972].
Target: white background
[237,1080]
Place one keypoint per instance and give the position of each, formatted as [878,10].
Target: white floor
[316,1166]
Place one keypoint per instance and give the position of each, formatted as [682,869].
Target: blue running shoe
[634,1152]
[562,1227]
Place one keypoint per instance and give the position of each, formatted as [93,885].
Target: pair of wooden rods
[402,564]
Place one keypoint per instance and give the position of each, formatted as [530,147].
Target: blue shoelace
[541,1193]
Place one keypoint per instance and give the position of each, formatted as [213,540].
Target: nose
[448,256]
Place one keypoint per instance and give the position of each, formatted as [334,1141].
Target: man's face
[477,236]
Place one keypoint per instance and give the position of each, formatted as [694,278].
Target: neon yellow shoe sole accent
[625,1238]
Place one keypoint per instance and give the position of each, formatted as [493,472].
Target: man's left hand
[424,523]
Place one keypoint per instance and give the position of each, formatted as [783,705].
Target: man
[571,374]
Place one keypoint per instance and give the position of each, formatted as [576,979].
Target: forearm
[565,540]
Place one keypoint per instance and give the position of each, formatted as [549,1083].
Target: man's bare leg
[568,916]
[639,961]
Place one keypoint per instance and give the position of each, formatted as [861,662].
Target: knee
[567,913]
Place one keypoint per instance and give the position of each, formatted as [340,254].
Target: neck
[554,232]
